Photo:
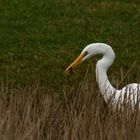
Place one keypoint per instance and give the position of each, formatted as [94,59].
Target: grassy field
[38,40]
[32,114]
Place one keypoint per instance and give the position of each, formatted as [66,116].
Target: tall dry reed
[32,114]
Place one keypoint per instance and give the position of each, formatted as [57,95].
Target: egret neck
[105,87]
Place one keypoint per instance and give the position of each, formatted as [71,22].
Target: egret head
[88,52]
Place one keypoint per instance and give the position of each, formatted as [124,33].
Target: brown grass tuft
[31,114]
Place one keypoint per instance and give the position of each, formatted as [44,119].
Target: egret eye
[86,53]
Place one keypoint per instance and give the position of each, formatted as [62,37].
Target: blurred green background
[39,38]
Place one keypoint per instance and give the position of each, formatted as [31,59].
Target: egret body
[130,92]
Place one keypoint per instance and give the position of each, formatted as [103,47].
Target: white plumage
[129,93]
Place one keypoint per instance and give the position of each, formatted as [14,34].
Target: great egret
[129,93]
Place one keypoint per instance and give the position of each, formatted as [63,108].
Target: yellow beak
[75,63]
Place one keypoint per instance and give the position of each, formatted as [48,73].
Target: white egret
[130,92]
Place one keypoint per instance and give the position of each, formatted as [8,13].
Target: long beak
[75,63]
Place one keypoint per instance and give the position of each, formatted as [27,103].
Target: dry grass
[32,114]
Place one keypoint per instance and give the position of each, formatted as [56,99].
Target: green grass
[38,39]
